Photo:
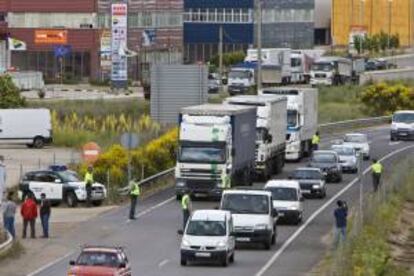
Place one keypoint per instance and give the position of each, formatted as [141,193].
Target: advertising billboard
[119,70]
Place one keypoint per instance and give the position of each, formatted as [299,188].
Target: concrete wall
[387,75]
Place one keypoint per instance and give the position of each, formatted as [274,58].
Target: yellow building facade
[372,16]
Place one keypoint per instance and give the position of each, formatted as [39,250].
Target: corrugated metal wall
[375,16]
[174,87]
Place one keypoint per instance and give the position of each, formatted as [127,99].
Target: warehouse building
[372,17]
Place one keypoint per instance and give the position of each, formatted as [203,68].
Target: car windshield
[203,154]
[98,259]
[323,158]
[344,151]
[246,204]
[322,66]
[239,74]
[403,118]
[292,118]
[69,176]
[306,174]
[206,228]
[355,139]
[284,194]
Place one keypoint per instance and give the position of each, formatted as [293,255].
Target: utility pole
[361,190]
[259,45]
[221,57]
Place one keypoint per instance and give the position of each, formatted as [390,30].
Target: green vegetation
[10,94]
[229,59]
[376,43]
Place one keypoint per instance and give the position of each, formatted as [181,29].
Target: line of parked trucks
[282,66]
[245,137]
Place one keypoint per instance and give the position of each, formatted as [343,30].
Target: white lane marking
[50,264]
[161,264]
[279,252]
[146,211]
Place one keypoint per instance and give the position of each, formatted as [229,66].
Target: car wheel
[71,200]
[97,203]
[225,261]
[232,258]
[38,142]
[183,261]
[30,146]
[299,219]
[267,244]
[323,194]
[393,138]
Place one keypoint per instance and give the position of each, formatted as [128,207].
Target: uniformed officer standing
[376,173]
[225,180]
[316,139]
[186,207]
[134,194]
[88,185]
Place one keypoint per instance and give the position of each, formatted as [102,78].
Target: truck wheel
[38,142]
[278,164]
[71,200]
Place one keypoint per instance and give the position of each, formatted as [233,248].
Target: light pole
[389,23]
[259,45]
[361,22]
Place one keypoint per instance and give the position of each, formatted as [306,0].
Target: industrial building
[372,17]
[83,26]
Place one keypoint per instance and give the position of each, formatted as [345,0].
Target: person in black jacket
[45,214]
[341,217]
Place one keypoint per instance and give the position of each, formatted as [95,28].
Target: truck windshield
[246,204]
[322,66]
[295,62]
[284,194]
[306,174]
[403,118]
[292,118]
[261,134]
[202,154]
[206,228]
[239,74]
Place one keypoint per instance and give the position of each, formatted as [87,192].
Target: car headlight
[315,186]
[180,184]
[185,244]
[393,127]
[333,168]
[292,208]
[261,226]
[221,245]
[80,188]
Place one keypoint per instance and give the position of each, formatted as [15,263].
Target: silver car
[347,158]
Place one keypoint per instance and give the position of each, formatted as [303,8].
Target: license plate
[243,239]
[306,191]
[403,133]
[281,214]
[203,254]
[200,195]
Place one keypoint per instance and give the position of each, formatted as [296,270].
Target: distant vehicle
[301,64]
[331,71]
[254,218]
[402,126]
[287,199]
[347,157]
[99,261]
[213,84]
[378,64]
[359,142]
[60,186]
[208,237]
[242,78]
[328,162]
[311,181]
[31,127]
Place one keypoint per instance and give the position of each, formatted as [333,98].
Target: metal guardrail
[324,128]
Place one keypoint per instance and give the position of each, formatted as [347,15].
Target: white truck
[302,118]
[301,64]
[216,142]
[242,78]
[331,71]
[271,126]
[31,127]
[276,65]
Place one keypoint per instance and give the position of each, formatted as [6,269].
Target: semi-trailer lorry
[271,126]
[216,142]
[302,118]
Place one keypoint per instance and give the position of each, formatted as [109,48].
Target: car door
[40,184]
[56,186]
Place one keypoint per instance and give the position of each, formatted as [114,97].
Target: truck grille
[201,174]
[200,185]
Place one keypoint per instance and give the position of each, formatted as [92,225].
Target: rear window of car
[96,258]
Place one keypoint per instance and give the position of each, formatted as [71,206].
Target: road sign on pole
[129,141]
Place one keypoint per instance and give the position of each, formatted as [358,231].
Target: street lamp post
[361,22]
[389,24]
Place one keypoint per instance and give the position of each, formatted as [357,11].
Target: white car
[254,218]
[359,142]
[287,199]
[60,186]
[208,236]
[347,157]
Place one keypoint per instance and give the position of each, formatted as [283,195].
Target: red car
[100,261]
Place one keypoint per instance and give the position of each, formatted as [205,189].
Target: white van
[287,199]
[32,127]
[254,219]
[208,236]
[402,125]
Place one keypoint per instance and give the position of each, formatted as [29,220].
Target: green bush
[9,94]
[229,59]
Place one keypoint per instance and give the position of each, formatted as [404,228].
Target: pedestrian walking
[2,178]
[316,139]
[186,207]
[88,185]
[9,212]
[376,174]
[29,214]
[135,192]
[341,215]
[45,210]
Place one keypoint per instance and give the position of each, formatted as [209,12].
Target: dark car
[328,162]
[311,181]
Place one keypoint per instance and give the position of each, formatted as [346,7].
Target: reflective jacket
[185,202]
[88,178]
[135,189]
[377,168]
[315,140]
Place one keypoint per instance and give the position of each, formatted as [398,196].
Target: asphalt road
[152,242]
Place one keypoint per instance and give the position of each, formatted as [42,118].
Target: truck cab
[331,71]
[242,78]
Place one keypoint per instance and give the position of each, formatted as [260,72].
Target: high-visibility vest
[185,202]
[316,139]
[135,189]
[377,168]
[225,181]
[88,178]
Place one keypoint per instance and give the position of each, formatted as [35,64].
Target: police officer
[134,194]
[225,179]
[376,173]
[186,207]
[88,185]
[316,139]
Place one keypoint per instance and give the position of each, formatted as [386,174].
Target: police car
[60,185]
